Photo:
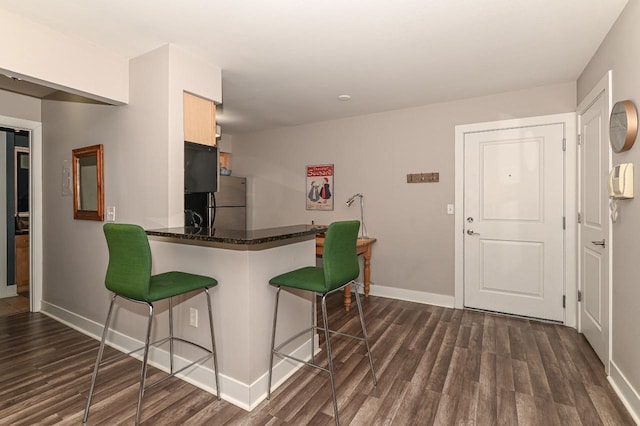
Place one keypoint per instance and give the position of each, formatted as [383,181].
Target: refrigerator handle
[211,217]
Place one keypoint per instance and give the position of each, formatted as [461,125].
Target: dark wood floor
[435,366]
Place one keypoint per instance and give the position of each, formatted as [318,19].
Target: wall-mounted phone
[621,182]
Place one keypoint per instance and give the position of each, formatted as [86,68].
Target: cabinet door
[199,120]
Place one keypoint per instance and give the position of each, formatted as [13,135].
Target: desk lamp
[363,229]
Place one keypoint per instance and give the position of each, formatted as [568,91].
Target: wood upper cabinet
[199,120]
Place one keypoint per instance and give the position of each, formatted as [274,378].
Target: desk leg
[347,298]
[367,270]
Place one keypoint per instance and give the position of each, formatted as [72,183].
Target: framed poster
[320,187]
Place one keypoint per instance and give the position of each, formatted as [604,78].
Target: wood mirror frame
[88,186]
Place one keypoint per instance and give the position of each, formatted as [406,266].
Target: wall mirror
[88,183]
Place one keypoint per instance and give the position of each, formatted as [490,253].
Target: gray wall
[135,174]
[372,154]
[19,106]
[143,168]
[619,53]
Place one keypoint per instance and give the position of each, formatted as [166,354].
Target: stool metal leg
[366,339]
[171,352]
[329,357]
[273,341]
[313,327]
[143,374]
[214,350]
[98,358]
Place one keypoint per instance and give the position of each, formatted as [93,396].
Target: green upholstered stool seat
[309,278]
[129,269]
[129,276]
[339,268]
[174,283]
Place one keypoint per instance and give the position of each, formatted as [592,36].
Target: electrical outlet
[193,317]
[111,213]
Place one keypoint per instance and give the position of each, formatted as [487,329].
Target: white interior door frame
[6,289]
[602,88]
[35,205]
[570,195]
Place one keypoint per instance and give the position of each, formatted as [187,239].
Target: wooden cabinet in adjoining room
[199,120]
[22,262]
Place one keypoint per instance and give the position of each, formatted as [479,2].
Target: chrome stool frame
[211,353]
[327,332]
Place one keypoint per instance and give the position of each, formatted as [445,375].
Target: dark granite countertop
[257,239]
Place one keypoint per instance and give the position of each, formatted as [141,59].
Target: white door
[593,130]
[514,224]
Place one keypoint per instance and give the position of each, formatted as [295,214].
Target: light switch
[450,209]
[111,213]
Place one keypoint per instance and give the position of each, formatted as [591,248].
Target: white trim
[35,206]
[623,388]
[569,122]
[8,291]
[412,295]
[243,395]
[603,86]
[458,269]
[571,217]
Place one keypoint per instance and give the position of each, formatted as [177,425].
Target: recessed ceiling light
[344,97]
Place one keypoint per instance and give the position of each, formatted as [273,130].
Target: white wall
[372,154]
[39,54]
[618,52]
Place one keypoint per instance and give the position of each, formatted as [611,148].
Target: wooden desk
[363,248]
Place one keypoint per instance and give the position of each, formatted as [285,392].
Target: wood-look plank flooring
[435,366]
[14,305]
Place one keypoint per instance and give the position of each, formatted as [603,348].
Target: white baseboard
[628,395]
[8,291]
[245,396]
[412,295]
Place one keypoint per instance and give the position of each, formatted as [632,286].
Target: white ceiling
[285,62]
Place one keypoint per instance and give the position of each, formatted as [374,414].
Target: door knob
[470,232]
[599,243]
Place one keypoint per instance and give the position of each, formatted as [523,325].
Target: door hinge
[564,301]
[564,144]
[579,217]
[579,295]
[579,139]
[564,222]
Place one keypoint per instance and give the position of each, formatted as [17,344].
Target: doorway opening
[34,129]
[14,212]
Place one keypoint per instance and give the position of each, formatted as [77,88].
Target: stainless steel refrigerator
[225,209]
[229,209]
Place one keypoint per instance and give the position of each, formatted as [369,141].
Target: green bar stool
[129,277]
[339,268]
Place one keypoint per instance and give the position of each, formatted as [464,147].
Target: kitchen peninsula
[242,262]
[232,239]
